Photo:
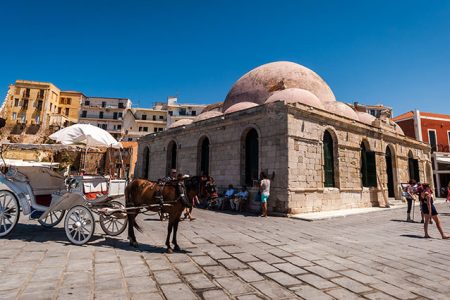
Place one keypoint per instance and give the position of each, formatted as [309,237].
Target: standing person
[265,192]
[409,195]
[430,211]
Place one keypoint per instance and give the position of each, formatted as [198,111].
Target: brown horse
[144,193]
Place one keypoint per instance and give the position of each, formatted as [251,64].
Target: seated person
[229,196]
[229,193]
[241,198]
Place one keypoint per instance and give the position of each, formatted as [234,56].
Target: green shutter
[371,169]
[328,160]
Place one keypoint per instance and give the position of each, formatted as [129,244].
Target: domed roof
[398,129]
[240,106]
[180,122]
[295,95]
[260,83]
[208,115]
[365,117]
[342,109]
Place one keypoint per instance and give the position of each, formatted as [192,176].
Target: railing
[441,148]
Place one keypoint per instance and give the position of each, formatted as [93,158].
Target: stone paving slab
[227,256]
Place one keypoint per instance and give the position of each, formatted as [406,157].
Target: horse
[145,194]
[150,195]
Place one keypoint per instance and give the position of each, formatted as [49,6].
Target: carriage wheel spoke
[7,204]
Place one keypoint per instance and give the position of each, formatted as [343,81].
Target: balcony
[441,148]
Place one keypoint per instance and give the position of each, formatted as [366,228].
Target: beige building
[177,111]
[31,107]
[283,119]
[105,112]
[139,122]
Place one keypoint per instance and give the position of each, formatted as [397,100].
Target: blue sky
[391,52]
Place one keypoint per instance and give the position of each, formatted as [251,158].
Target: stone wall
[226,137]
[307,193]
[290,144]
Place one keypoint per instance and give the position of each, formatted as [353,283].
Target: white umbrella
[86,134]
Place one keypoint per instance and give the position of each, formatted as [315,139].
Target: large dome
[260,83]
[296,95]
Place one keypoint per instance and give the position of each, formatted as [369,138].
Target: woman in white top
[265,192]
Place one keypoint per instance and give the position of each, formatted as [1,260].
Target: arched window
[203,156]
[368,167]
[413,167]
[251,157]
[328,158]
[390,172]
[171,156]
[145,163]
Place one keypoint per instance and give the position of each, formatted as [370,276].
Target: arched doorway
[145,163]
[171,156]
[251,157]
[368,166]
[203,158]
[390,172]
[413,167]
[328,159]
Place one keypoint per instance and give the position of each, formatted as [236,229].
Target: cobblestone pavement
[370,256]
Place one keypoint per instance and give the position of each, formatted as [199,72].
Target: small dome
[208,115]
[180,122]
[295,95]
[240,106]
[365,117]
[341,109]
[398,129]
[260,83]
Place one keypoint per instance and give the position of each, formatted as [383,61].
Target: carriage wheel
[115,223]
[9,212]
[79,225]
[52,219]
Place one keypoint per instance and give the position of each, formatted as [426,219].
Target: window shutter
[371,169]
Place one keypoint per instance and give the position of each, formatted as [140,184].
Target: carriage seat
[93,186]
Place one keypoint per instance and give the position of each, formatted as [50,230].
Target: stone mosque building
[283,119]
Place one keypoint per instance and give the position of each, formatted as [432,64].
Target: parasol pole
[121,162]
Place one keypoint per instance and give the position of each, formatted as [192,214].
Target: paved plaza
[368,256]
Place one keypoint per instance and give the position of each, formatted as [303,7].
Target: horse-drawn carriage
[39,191]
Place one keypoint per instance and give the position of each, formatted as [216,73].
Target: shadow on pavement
[403,221]
[37,233]
[414,236]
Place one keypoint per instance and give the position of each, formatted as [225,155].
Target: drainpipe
[417,125]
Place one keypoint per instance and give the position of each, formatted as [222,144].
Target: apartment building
[177,111]
[433,129]
[104,112]
[377,110]
[31,106]
[139,122]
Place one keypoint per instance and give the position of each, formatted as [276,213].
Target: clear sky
[391,52]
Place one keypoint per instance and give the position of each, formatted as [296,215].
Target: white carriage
[38,191]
